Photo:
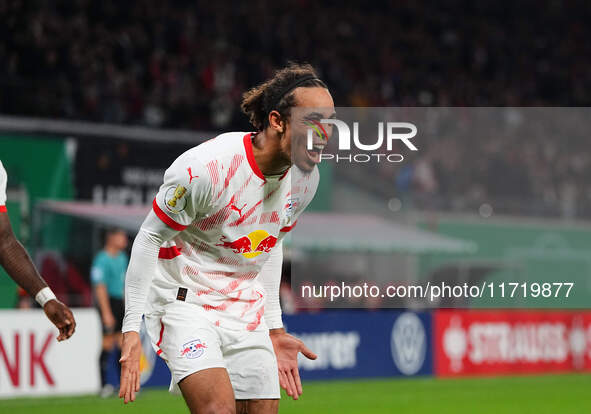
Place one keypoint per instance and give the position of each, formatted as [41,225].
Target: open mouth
[315,153]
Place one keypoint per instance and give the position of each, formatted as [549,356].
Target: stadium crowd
[180,64]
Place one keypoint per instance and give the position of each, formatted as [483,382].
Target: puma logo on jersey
[191,176]
[239,210]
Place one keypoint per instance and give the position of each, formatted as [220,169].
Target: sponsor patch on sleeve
[175,200]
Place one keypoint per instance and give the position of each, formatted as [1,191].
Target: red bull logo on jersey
[251,245]
[193,349]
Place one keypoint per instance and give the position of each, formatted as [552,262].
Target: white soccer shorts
[189,343]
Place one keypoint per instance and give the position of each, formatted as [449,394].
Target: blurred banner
[353,344]
[122,171]
[391,343]
[511,342]
[32,362]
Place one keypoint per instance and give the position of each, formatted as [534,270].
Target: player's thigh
[208,392]
[187,342]
[257,406]
[252,365]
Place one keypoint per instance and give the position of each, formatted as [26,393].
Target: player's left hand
[61,316]
[286,349]
[131,351]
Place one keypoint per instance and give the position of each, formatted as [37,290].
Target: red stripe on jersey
[165,219]
[251,303]
[212,169]
[224,304]
[270,194]
[265,218]
[254,324]
[190,270]
[275,217]
[3,209]
[230,287]
[288,228]
[202,247]
[169,252]
[283,175]
[246,215]
[236,161]
[250,156]
[231,261]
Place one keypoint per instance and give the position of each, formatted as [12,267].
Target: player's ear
[276,122]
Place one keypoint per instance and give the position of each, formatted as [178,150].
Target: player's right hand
[131,351]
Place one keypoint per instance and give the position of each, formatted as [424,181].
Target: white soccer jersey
[230,217]
[3,182]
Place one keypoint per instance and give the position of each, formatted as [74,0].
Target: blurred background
[98,98]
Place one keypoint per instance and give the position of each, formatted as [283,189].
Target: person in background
[17,263]
[107,275]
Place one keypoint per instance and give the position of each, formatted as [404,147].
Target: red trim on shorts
[3,209]
[288,228]
[169,252]
[250,156]
[167,220]
[160,338]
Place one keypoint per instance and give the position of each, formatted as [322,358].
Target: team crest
[174,199]
[291,206]
[193,349]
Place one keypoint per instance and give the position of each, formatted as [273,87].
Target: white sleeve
[142,265]
[183,196]
[270,276]
[3,182]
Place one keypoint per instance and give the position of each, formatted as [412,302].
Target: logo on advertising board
[408,343]
[455,343]
[485,342]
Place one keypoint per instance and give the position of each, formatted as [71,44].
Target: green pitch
[542,394]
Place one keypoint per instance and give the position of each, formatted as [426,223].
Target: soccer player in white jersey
[17,263]
[205,266]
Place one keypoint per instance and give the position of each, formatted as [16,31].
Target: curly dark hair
[257,102]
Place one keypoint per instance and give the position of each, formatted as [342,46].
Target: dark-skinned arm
[19,266]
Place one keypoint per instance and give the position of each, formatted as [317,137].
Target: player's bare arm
[17,263]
